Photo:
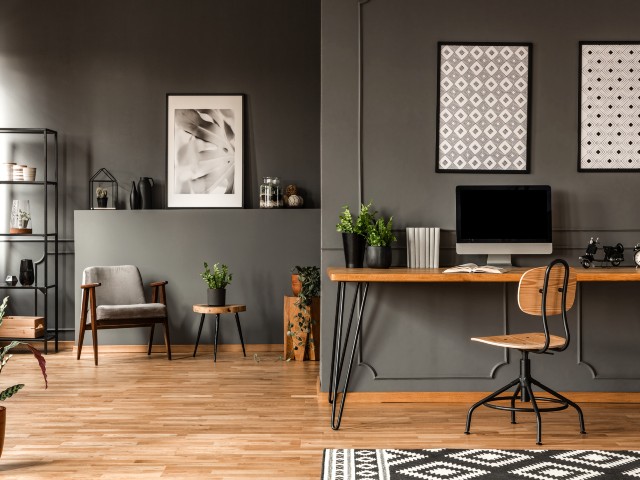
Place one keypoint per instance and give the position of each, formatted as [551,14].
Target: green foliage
[310,280]
[218,277]
[360,226]
[4,358]
[381,234]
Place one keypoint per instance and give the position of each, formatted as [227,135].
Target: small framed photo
[204,151]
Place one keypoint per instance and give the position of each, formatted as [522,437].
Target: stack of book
[423,247]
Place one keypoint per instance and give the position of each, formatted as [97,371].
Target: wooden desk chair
[115,298]
[542,292]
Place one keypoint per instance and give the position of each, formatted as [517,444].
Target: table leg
[215,338]
[337,331]
[240,332]
[199,332]
[336,419]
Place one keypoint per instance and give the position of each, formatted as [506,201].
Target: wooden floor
[136,417]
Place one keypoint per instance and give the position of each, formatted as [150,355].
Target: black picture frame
[623,116]
[476,158]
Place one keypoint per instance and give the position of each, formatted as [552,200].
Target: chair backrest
[121,285]
[532,285]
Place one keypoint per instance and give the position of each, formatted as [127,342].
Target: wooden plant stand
[312,352]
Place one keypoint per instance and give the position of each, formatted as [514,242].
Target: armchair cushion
[139,311]
[120,285]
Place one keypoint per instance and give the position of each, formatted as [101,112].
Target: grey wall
[259,246]
[99,72]
[416,335]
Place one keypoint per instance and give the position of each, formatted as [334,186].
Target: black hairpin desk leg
[340,347]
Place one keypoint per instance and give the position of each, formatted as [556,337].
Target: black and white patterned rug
[452,464]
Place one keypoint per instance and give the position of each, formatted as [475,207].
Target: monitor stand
[502,260]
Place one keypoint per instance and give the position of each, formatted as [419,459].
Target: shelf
[23,287]
[28,130]
[27,235]
[50,335]
[16,182]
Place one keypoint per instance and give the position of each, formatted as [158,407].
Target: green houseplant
[217,278]
[4,358]
[379,239]
[354,233]
[300,327]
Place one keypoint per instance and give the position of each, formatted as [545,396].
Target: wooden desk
[361,277]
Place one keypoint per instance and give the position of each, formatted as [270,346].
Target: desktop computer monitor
[501,220]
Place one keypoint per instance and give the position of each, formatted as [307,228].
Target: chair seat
[138,311]
[522,341]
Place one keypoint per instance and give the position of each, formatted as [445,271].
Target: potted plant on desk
[300,326]
[379,239]
[4,358]
[217,280]
[354,234]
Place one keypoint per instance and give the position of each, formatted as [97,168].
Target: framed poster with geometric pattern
[484,107]
[609,107]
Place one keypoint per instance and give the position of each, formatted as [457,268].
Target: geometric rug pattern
[455,464]
[483,103]
[610,106]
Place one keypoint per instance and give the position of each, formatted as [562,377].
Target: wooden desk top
[435,275]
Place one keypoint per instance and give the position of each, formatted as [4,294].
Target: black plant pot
[216,297]
[354,247]
[26,272]
[378,257]
[102,202]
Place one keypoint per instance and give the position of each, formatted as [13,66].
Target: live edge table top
[436,275]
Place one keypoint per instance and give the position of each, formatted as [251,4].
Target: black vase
[378,257]
[354,247]
[145,185]
[26,272]
[134,199]
[216,297]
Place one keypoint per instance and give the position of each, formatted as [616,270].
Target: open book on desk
[473,268]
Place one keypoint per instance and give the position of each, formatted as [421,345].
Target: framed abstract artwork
[484,107]
[609,107]
[204,151]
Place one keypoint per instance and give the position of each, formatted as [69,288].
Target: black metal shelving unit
[48,238]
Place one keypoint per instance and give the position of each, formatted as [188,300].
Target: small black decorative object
[145,184]
[11,280]
[613,255]
[26,272]
[134,199]
[105,181]
[636,255]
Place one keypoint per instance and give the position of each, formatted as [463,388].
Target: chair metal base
[524,383]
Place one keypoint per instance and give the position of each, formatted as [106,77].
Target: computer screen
[503,219]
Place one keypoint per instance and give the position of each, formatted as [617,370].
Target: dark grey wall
[415,335]
[259,246]
[99,72]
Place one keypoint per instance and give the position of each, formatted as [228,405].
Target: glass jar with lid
[271,193]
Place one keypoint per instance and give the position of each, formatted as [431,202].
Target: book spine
[422,241]
[436,263]
[432,245]
[410,247]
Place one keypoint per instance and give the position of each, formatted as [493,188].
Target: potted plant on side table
[217,278]
[300,328]
[379,239]
[354,233]
[4,358]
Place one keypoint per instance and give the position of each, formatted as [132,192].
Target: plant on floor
[5,356]
[302,336]
[217,277]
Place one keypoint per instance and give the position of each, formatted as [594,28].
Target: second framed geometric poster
[609,106]
[483,107]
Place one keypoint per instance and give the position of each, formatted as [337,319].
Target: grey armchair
[114,296]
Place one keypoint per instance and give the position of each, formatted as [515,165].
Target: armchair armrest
[90,285]
[158,293]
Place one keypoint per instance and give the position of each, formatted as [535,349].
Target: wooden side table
[217,311]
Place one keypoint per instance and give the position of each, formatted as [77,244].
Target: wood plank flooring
[139,417]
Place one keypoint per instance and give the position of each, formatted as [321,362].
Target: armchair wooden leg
[153,327]
[94,335]
[167,341]
[83,323]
